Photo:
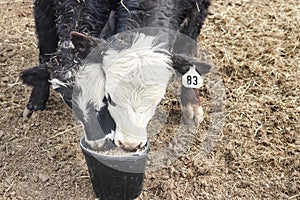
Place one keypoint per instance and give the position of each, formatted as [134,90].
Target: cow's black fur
[44,15]
[55,19]
[129,20]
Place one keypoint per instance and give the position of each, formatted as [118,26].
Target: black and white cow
[122,86]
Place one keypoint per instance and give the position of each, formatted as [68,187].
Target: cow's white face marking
[88,97]
[89,82]
[136,81]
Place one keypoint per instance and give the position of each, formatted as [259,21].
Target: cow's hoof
[27,113]
[35,106]
[32,107]
[192,115]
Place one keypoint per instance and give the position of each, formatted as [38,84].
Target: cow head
[135,76]
[136,81]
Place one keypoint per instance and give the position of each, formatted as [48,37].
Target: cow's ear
[183,62]
[84,43]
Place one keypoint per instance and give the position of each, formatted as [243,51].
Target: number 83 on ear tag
[192,79]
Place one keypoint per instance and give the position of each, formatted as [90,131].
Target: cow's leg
[37,100]
[47,43]
[45,23]
[192,112]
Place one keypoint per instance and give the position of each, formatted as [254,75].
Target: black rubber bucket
[116,177]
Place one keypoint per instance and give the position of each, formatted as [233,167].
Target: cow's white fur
[98,144]
[89,84]
[57,83]
[136,80]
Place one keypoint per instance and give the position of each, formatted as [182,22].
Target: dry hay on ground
[254,45]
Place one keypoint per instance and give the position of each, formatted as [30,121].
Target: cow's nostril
[120,144]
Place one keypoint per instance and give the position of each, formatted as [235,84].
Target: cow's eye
[110,101]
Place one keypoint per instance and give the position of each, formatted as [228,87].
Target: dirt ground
[255,45]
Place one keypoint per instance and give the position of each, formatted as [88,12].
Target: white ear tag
[192,79]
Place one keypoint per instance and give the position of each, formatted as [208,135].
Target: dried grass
[255,45]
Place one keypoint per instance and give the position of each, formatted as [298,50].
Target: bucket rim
[133,156]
